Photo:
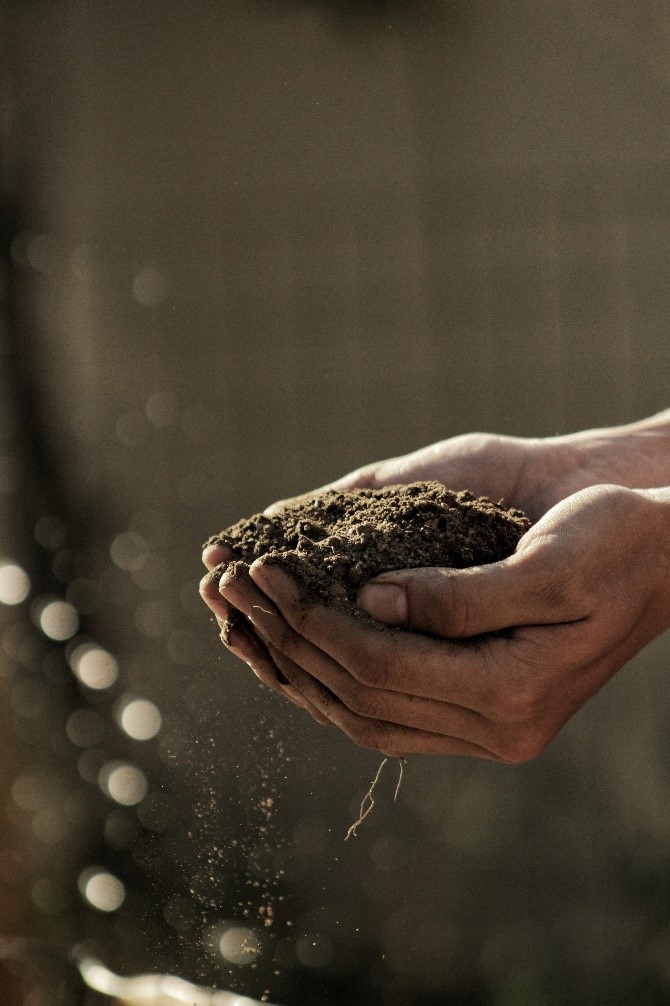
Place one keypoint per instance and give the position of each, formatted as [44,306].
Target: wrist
[659,534]
[636,455]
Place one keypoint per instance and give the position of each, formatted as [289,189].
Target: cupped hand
[532,474]
[586,589]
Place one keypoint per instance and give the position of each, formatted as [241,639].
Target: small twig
[368,800]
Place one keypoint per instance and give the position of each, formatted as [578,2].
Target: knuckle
[566,595]
[457,610]
[365,735]
[524,746]
[362,703]
[284,639]
[374,670]
[519,703]
[519,692]
[439,597]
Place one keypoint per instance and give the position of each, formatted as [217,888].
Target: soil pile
[332,542]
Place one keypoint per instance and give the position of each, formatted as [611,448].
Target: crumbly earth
[332,542]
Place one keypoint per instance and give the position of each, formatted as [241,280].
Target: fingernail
[384,601]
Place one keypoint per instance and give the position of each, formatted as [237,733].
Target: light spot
[82,262]
[129,550]
[140,719]
[149,287]
[120,829]
[49,826]
[95,667]
[59,620]
[85,728]
[101,889]
[131,429]
[50,532]
[184,646]
[314,950]
[240,945]
[42,254]
[14,584]
[30,792]
[89,764]
[49,896]
[180,913]
[153,618]
[124,783]
[85,424]
[161,409]
[154,575]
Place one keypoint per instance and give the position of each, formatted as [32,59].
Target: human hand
[586,589]
[532,474]
[496,466]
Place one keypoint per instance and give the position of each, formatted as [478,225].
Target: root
[368,800]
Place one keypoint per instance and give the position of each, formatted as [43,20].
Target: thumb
[455,603]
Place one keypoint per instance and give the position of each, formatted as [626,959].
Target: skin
[586,589]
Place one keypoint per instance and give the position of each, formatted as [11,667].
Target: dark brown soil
[333,542]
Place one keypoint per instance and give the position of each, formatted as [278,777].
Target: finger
[246,643]
[403,710]
[252,651]
[525,589]
[389,738]
[285,665]
[235,634]
[216,555]
[243,643]
[211,595]
[466,675]
[242,593]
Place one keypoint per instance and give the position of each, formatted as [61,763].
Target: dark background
[248,246]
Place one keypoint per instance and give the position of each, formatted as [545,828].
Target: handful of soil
[332,542]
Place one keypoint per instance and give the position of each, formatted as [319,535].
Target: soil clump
[332,542]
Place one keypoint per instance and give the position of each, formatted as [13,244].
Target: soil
[332,542]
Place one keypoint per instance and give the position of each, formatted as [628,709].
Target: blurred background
[246,247]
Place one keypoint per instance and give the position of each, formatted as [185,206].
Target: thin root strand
[368,800]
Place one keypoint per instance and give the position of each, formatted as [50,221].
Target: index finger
[467,674]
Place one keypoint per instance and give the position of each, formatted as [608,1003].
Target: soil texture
[332,542]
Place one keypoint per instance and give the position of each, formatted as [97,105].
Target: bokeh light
[129,550]
[120,829]
[124,783]
[101,889]
[140,719]
[59,620]
[94,666]
[49,826]
[314,950]
[42,254]
[14,584]
[50,532]
[240,945]
[161,409]
[85,728]
[149,287]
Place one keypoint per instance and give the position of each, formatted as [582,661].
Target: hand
[532,474]
[586,589]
